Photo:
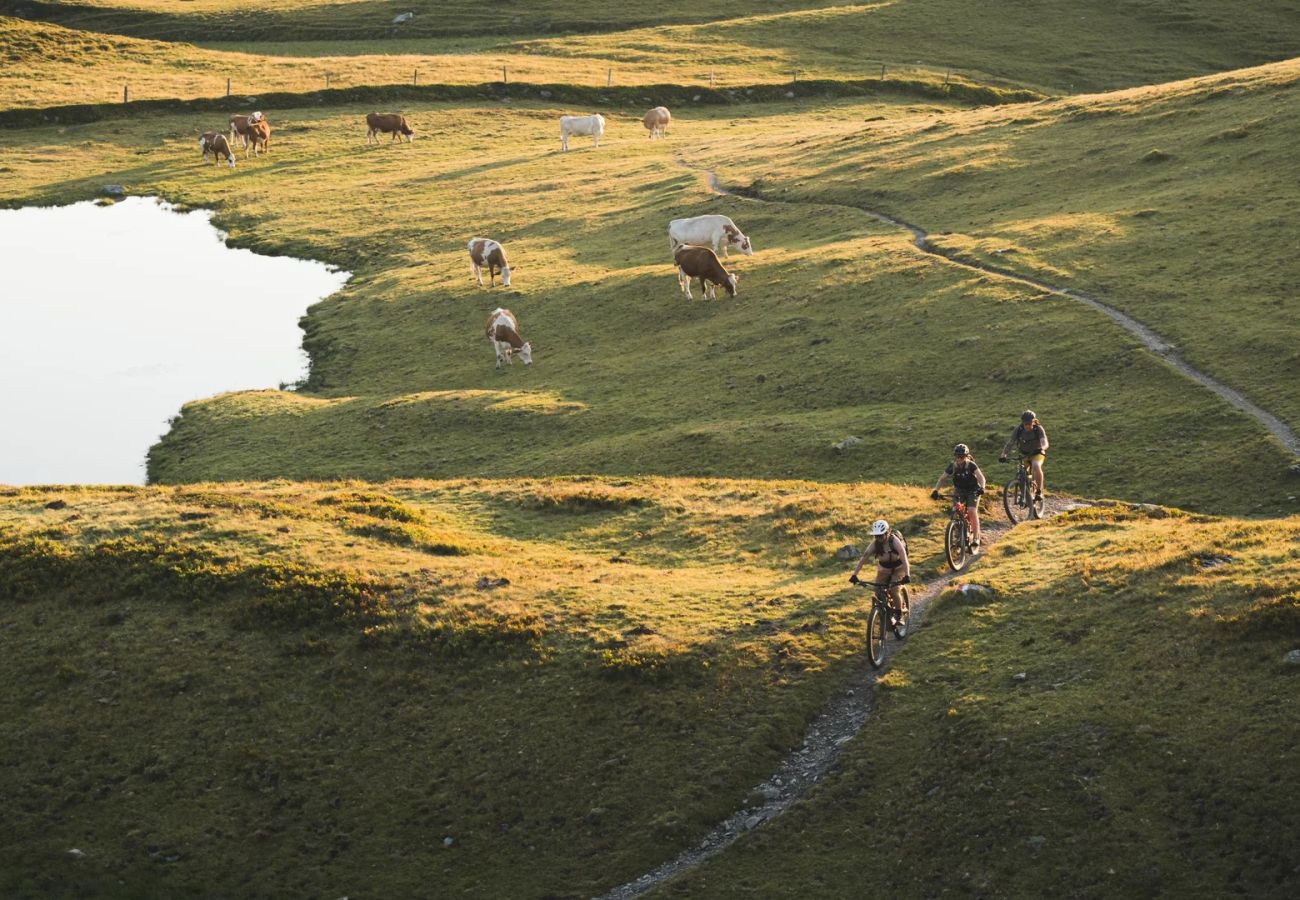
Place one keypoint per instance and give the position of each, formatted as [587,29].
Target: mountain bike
[957,536]
[878,620]
[1018,496]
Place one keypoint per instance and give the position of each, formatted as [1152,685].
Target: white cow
[718,232]
[503,334]
[593,125]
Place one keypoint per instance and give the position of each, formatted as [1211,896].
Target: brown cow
[702,263]
[215,142]
[258,137]
[388,123]
[485,253]
[656,121]
[503,333]
[239,125]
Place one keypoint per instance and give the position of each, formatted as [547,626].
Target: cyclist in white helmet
[890,553]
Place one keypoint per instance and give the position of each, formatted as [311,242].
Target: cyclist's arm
[1042,441]
[863,559]
[905,570]
[979,477]
[942,478]
[1006,448]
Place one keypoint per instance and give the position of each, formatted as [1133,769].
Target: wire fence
[504,74]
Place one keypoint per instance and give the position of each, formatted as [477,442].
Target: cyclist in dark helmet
[968,483]
[1031,440]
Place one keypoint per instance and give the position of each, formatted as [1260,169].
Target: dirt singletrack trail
[842,718]
[1149,338]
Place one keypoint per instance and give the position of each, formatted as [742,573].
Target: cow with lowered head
[485,253]
[503,334]
[387,123]
[703,263]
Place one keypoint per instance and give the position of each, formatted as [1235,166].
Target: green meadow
[416,626]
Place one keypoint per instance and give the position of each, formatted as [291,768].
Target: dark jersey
[964,476]
[1030,440]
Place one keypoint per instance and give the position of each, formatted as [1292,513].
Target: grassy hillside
[351,19]
[1170,203]
[285,689]
[49,65]
[841,327]
[1055,45]
[1114,720]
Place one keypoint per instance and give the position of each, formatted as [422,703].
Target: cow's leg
[496,348]
[492,275]
[683,283]
[476,272]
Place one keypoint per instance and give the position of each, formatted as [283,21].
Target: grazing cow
[718,232]
[215,142]
[702,263]
[257,137]
[503,333]
[388,123]
[656,121]
[593,125]
[239,127]
[485,253]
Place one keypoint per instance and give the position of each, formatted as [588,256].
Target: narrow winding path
[834,726]
[845,715]
[1149,338]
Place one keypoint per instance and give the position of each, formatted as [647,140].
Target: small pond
[112,317]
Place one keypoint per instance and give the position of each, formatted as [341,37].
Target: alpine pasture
[423,626]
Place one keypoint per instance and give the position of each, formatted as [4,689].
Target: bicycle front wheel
[1035,506]
[954,545]
[876,636]
[1013,501]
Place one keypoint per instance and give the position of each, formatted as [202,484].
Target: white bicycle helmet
[879,527]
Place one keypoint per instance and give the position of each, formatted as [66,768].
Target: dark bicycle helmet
[961,450]
[1028,416]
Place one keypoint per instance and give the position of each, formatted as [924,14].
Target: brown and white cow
[239,127]
[503,333]
[387,123]
[485,253]
[702,263]
[215,142]
[257,137]
[656,121]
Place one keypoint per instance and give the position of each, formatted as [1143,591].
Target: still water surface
[112,317]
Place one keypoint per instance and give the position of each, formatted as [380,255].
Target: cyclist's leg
[1037,463]
[975,519]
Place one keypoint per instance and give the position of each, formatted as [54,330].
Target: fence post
[415,76]
[710,78]
[946,75]
[505,76]
[327,81]
[882,71]
[609,76]
[124,94]
[794,77]
[227,87]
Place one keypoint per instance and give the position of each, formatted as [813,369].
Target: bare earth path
[1150,339]
[845,715]
[839,722]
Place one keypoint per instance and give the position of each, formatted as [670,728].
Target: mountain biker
[968,483]
[892,567]
[1031,439]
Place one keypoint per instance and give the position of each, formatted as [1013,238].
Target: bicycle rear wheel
[1013,501]
[904,612]
[876,636]
[954,545]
